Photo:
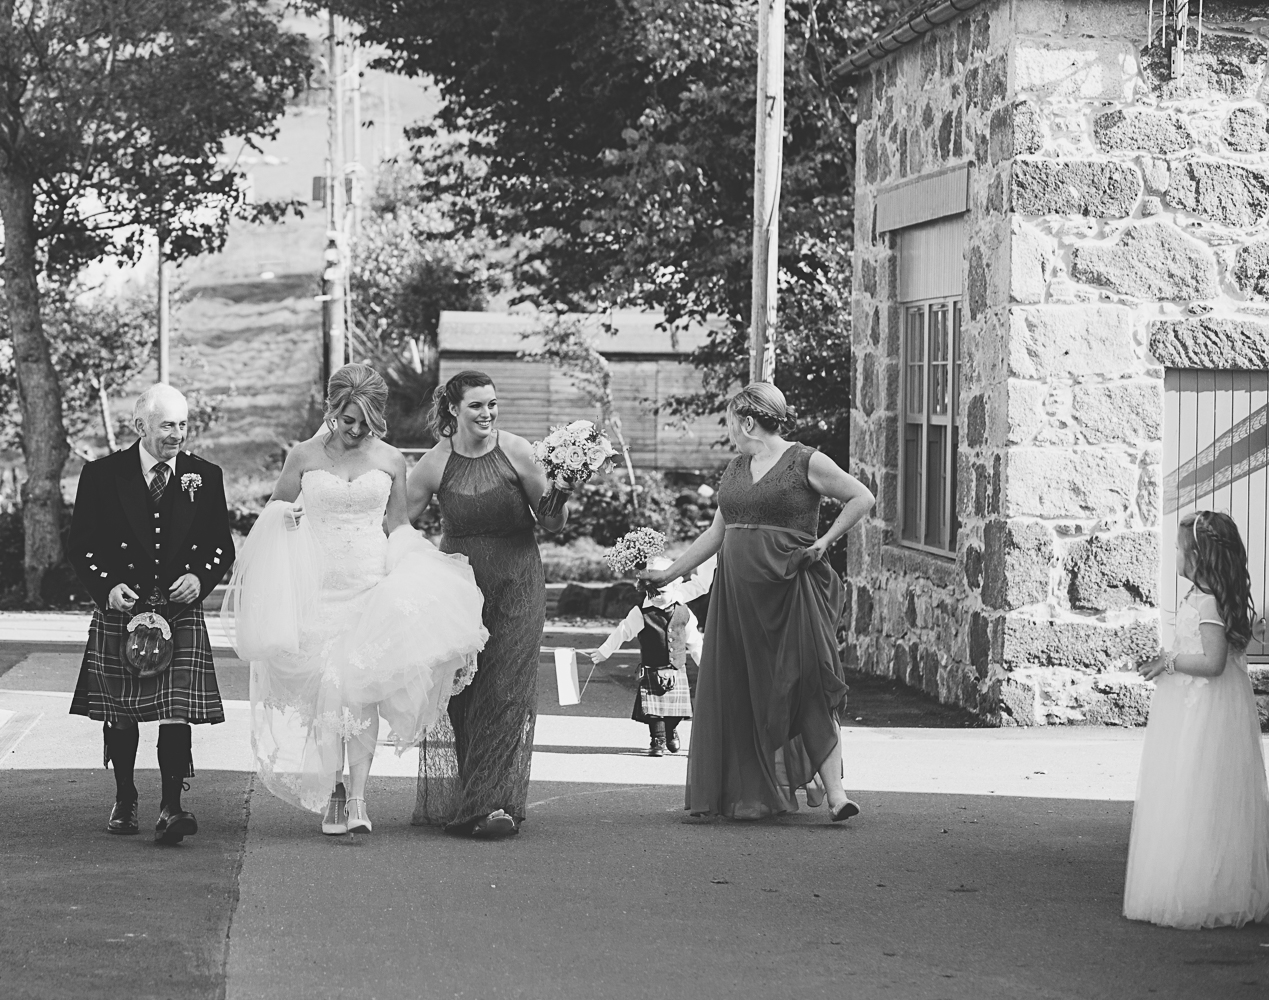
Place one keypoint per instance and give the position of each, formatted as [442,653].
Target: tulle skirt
[1199,851]
[328,661]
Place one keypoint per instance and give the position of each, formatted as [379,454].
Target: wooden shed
[649,366]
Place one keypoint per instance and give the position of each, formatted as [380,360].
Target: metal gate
[1216,457]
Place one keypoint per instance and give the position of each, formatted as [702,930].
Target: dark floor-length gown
[480,762]
[771,687]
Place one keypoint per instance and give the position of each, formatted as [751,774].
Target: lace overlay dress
[480,762]
[771,685]
[342,626]
[1199,850]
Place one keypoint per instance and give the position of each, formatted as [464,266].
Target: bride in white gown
[346,613]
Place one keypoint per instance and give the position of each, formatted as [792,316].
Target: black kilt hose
[118,535]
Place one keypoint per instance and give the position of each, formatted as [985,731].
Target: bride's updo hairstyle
[765,403]
[364,386]
[449,397]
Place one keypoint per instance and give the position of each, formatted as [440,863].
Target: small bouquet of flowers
[635,549]
[570,455]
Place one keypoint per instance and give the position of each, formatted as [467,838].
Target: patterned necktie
[159,483]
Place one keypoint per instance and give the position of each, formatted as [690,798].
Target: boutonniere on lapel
[191,482]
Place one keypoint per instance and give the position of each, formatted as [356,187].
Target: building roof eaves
[918,21]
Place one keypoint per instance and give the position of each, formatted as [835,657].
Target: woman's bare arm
[707,544]
[532,477]
[397,512]
[829,479]
[293,469]
[423,482]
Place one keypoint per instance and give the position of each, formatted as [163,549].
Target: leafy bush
[96,341]
[580,561]
[601,509]
[12,549]
[61,588]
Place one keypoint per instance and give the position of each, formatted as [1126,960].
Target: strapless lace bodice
[347,519]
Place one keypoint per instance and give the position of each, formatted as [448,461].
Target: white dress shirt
[149,463]
[676,592]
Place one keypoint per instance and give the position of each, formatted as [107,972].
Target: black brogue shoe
[123,817]
[173,827]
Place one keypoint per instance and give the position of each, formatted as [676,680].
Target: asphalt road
[606,893]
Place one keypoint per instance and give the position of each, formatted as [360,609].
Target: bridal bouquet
[570,455]
[634,549]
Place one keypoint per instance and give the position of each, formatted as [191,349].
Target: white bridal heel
[358,818]
[335,819]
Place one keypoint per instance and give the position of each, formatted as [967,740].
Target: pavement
[985,864]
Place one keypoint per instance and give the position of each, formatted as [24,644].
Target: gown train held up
[341,626]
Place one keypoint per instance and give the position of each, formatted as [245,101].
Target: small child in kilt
[667,633]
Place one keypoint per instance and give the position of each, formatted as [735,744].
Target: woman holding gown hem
[770,691]
[345,612]
[474,774]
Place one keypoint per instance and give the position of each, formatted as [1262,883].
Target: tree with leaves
[614,139]
[112,117]
[98,343]
[408,265]
[573,350]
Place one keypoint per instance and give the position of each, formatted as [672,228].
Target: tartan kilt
[109,692]
[676,703]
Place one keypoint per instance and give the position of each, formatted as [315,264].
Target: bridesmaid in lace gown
[474,777]
[771,688]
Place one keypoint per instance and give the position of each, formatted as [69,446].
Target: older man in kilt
[150,534]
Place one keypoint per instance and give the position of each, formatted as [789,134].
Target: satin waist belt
[521,534]
[768,527]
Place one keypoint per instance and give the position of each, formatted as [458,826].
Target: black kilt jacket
[118,535]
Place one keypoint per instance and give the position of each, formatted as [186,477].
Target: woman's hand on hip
[817,550]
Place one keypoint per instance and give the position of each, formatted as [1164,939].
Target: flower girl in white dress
[346,613]
[1199,850]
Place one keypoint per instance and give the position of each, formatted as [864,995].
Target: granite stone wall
[1118,224]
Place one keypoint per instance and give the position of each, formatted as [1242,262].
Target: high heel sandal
[335,819]
[358,818]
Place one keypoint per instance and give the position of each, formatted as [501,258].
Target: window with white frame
[930,262]
[931,384]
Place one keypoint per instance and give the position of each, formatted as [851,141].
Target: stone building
[1061,339]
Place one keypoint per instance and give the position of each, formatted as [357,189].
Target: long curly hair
[1215,559]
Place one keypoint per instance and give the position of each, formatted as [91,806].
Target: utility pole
[165,332]
[768,167]
[332,272]
[354,168]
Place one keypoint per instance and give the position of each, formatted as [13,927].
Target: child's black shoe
[657,747]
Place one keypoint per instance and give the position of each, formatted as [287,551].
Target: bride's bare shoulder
[305,455]
[391,460]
